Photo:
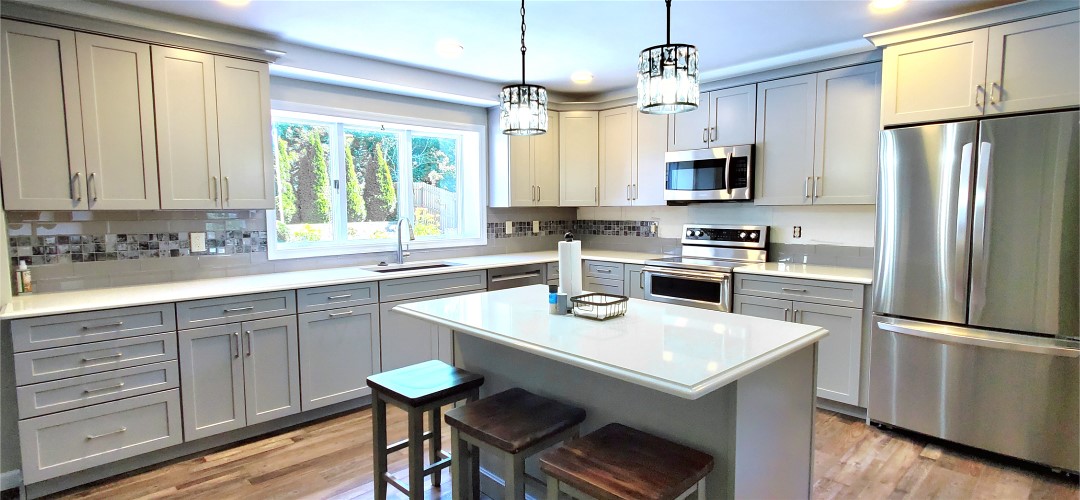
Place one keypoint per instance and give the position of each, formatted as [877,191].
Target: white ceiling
[602,37]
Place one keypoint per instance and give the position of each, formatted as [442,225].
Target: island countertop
[678,350]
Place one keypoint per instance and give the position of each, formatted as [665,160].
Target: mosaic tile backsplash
[63,248]
[643,229]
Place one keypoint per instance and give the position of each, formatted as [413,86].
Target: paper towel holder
[569,236]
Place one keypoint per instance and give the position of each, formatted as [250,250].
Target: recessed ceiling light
[235,3]
[581,77]
[886,5]
[449,48]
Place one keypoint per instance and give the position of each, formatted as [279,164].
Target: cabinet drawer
[436,284]
[74,440]
[211,312]
[70,329]
[611,286]
[77,392]
[598,269]
[819,292]
[62,362]
[332,297]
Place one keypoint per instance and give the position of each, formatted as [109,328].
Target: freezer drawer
[1011,394]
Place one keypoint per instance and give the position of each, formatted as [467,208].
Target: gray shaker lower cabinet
[762,307]
[633,284]
[238,374]
[339,349]
[407,340]
[839,353]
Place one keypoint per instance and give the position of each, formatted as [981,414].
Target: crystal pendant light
[523,108]
[667,79]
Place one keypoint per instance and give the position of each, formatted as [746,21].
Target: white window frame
[470,185]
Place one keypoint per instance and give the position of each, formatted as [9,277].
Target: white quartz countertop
[809,271]
[178,291]
[674,349]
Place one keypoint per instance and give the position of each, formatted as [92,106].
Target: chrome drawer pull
[99,389]
[794,290]
[117,355]
[605,271]
[344,313]
[240,309]
[336,297]
[106,325]
[95,436]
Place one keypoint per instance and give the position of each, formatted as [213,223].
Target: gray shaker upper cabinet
[244,138]
[118,123]
[1034,64]
[846,135]
[40,119]
[785,141]
[723,118]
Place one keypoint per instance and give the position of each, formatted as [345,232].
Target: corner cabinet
[1025,65]
[579,172]
[524,169]
[213,130]
[632,169]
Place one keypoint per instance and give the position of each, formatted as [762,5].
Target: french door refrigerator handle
[963,218]
[979,249]
[977,338]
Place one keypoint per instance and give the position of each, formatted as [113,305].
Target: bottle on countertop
[23,281]
[552,299]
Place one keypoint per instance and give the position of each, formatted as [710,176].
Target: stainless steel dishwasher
[515,276]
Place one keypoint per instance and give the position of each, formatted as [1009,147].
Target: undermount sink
[394,268]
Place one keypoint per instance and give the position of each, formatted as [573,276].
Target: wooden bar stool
[618,462]
[417,389]
[514,424]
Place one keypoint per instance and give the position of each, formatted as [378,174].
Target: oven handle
[667,273]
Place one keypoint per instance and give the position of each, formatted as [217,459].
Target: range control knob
[689,232]
[699,233]
[742,235]
[753,236]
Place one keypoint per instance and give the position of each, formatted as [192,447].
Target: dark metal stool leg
[416,454]
[378,444]
[436,444]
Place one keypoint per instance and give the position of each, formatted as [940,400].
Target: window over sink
[343,183]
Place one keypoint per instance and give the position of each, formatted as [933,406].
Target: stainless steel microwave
[716,174]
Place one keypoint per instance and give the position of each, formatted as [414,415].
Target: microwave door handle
[727,172]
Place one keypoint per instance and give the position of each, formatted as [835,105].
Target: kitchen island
[737,387]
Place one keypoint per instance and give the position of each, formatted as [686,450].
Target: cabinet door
[650,171]
[339,349]
[406,340]
[839,353]
[522,188]
[271,368]
[1033,64]
[690,130]
[118,123]
[545,154]
[40,119]
[616,156]
[633,285]
[579,173]
[785,141]
[936,79]
[211,380]
[761,307]
[846,143]
[243,116]
[185,104]
[733,111]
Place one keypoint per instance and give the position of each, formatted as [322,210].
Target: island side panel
[774,443]
[708,423]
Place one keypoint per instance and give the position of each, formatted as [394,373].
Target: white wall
[842,225]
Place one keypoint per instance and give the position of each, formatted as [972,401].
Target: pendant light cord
[668,2]
[523,40]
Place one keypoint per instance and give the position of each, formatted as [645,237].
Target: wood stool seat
[421,389]
[619,462]
[514,424]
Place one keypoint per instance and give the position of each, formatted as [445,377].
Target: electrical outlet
[798,232]
[536,226]
[198,242]
[509,227]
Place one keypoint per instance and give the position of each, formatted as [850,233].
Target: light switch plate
[198,242]
[509,227]
[536,226]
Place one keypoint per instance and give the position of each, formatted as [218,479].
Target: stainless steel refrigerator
[977,285]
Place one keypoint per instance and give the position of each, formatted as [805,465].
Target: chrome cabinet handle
[713,136]
[251,348]
[627,192]
[794,290]
[99,389]
[95,436]
[795,317]
[76,187]
[214,186]
[786,311]
[106,325]
[635,191]
[225,182]
[98,358]
[806,187]
[705,135]
[236,343]
[538,194]
[336,297]
[339,314]
[993,87]
[978,90]
[817,187]
[91,187]
[239,309]
[641,280]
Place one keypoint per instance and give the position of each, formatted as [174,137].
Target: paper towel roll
[570,267]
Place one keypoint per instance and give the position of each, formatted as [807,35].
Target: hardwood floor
[332,459]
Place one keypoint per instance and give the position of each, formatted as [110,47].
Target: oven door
[717,174]
[701,289]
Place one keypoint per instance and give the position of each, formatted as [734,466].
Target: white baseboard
[10,479]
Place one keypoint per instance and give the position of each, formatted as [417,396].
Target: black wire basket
[599,306]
